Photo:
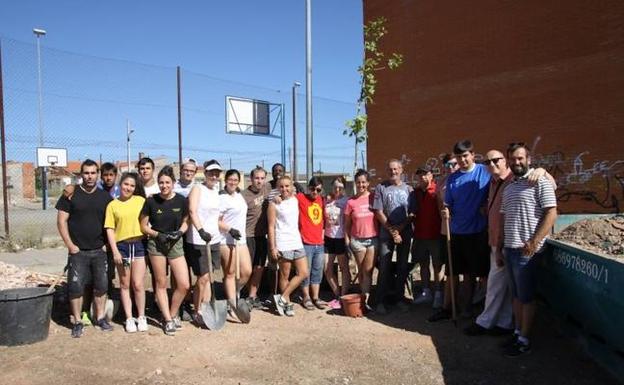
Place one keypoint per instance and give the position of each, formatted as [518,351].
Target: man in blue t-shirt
[465,203]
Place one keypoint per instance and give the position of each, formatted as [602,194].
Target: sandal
[307,304]
[320,304]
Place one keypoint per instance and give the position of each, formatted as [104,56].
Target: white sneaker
[438,299]
[424,297]
[131,326]
[142,324]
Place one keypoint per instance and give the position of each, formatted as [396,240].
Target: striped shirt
[523,207]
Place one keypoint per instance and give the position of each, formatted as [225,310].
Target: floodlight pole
[294,129]
[128,132]
[309,133]
[44,171]
[5,183]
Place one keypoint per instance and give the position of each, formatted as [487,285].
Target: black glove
[174,235]
[162,238]
[235,233]
[205,236]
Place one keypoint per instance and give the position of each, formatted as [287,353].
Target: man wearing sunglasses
[391,210]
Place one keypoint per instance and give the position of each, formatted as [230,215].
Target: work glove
[162,238]
[235,233]
[174,235]
[205,236]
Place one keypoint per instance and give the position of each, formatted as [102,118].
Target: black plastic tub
[25,315]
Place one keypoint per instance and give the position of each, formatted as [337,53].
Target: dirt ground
[603,235]
[314,347]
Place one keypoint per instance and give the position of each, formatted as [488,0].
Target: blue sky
[258,45]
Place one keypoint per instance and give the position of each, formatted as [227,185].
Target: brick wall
[549,73]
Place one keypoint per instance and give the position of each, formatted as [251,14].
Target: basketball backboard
[51,157]
[250,116]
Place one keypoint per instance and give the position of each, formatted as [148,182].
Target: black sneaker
[104,326]
[509,342]
[77,330]
[169,328]
[475,330]
[518,349]
[442,315]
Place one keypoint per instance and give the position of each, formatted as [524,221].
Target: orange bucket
[353,305]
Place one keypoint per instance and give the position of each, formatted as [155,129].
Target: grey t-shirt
[393,201]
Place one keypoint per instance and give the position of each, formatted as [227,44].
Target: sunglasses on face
[317,189]
[488,162]
[450,164]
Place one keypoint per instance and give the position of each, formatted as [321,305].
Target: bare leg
[138,285]
[228,266]
[159,267]
[329,274]
[302,272]
[179,270]
[124,289]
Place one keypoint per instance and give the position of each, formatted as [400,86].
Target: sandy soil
[314,347]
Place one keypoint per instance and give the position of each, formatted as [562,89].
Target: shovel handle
[210,268]
[237,261]
[450,266]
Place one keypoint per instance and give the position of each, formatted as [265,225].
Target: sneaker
[84,318]
[438,299]
[169,328]
[177,322]
[475,330]
[518,349]
[510,341]
[142,324]
[442,315]
[335,304]
[402,306]
[381,309]
[131,326]
[289,309]
[424,297]
[104,326]
[186,312]
[77,330]
[255,303]
[279,304]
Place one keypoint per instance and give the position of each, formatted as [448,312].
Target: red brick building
[549,73]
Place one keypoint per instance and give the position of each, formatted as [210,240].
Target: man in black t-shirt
[80,222]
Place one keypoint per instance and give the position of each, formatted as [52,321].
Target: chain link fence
[89,102]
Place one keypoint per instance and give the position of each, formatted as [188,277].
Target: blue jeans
[316,262]
[522,273]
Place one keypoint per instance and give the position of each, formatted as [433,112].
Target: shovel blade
[243,312]
[214,314]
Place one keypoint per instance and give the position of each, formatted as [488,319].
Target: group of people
[494,215]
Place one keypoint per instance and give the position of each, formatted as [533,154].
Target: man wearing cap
[425,212]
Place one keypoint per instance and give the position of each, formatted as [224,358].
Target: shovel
[213,313]
[242,310]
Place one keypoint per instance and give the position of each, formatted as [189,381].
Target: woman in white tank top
[204,214]
[232,223]
[285,244]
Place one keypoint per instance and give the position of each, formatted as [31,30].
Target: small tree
[374,60]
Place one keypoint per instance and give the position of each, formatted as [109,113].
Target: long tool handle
[210,268]
[237,261]
[450,265]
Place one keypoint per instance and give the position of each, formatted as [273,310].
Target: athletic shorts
[334,246]
[424,249]
[258,249]
[470,254]
[87,267]
[197,259]
[171,250]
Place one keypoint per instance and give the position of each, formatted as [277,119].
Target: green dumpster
[587,289]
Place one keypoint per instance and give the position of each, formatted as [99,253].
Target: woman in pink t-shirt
[360,231]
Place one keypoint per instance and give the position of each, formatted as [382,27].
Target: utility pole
[309,130]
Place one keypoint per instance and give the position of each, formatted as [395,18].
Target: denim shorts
[87,267]
[360,244]
[522,273]
[130,251]
[291,255]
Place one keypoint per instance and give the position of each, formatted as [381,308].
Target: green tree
[374,60]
